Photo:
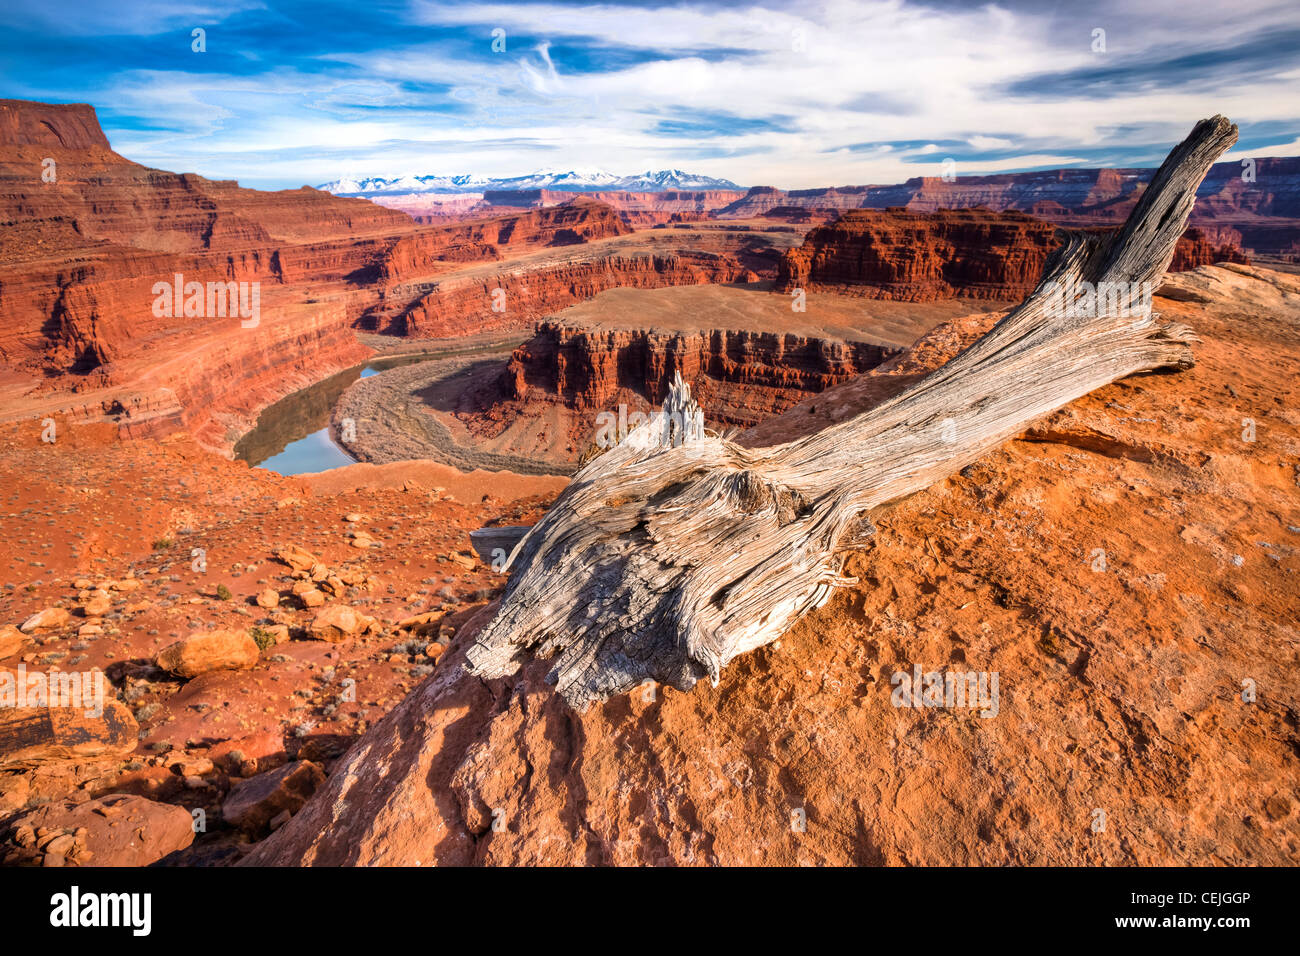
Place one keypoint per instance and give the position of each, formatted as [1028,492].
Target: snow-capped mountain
[585,179]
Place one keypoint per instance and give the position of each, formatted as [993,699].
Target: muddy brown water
[293,436]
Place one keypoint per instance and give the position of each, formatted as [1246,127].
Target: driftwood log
[664,561]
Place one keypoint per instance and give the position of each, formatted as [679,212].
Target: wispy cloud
[790,94]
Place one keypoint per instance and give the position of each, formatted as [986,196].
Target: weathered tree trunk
[665,563]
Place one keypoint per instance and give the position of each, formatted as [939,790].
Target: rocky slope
[1127,568]
[156,563]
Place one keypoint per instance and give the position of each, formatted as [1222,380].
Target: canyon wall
[922,257]
[638,209]
[514,298]
[1265,210]
[572,223]
[911,257]
[1200,247]
[87,234]
[738,377]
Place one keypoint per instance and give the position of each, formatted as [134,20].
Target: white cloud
[874,71]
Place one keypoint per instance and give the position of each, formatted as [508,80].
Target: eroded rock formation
[461,304]
[738,377]
[1265,208]
[88,235]
[921,257]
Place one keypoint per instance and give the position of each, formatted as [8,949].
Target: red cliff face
[738,377]
[923,257]
[1263,208]
[465,304]
[54,125]
[88,234]
[1196,248]
[572,223]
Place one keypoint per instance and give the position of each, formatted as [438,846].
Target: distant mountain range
[571,180]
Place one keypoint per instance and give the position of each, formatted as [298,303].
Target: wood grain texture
[664,561]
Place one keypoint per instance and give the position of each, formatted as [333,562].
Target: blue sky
[787,94]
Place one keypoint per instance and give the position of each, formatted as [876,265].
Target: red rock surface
[738,377]
[1265,212]
[93,512]
[1120,689]
[920,258]
[120,830]
[923,257]
[461,304]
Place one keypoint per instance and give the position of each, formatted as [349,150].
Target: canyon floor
[462,413]
[1127,567]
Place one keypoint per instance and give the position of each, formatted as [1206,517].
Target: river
[292,437]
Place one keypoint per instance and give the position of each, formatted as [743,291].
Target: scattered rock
[296,557]
[269,598]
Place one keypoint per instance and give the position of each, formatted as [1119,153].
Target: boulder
[255,802]
[338,622]
[297,558]
[12,641]
[44,620]
[210,651]
[116,830]
[30,736]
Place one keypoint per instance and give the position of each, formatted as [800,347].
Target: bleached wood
[666,562]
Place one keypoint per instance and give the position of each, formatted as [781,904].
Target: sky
[794,95]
